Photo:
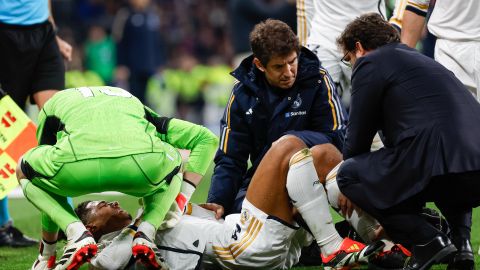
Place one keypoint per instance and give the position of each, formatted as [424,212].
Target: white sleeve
[397,15]
[117,254]
[419,7]
[305,12]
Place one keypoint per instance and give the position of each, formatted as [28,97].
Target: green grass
[27,218]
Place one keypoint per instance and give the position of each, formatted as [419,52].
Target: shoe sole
[146,256]
[83,255]
[439,256]
[462,261]
[371,250]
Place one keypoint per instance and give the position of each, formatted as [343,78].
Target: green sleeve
[201,142]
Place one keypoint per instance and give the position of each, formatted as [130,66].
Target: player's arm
[305,13]
[232,155]
[367,91]
[64,47]
[413,21]
[201,142]
[117,254]
[397,15]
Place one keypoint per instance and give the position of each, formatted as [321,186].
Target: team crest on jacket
[297,102]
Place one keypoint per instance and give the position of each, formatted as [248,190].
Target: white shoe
[77,252]
[146,252]
[44,263]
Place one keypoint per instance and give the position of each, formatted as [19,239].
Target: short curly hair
[272,38]
[83,212]
[371,30]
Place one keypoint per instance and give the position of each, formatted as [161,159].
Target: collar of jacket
[249,75]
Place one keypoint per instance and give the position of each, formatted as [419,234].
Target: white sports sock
[187,189]
[147,229]
[75,230]
[364,224]
[309,197]
[48,249]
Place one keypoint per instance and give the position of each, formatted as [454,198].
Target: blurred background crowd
[175,55]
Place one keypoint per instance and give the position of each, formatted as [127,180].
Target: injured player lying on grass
[264,235]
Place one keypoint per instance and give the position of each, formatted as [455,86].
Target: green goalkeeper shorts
[138,175]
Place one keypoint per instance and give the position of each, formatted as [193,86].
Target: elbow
[210,139]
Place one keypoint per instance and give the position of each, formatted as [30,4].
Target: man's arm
[65,48]
[185,135]
[117,253]
[365,108]
[232,155]
[413,21]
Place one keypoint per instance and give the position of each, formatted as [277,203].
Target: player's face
[108,215]
[281,71]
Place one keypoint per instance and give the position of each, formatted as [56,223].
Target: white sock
[48,250]
[75,230]
[187,190]
[147,229]
[309,197]
[364,224]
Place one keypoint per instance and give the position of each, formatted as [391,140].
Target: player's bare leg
[267,190]
[325,158]
[287,173]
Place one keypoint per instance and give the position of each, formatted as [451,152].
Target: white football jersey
[332,16]
[452,20]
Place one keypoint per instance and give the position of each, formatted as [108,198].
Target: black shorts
[30,60]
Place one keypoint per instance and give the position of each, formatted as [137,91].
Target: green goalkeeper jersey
[101,122]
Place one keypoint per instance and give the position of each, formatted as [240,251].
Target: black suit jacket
[429,121]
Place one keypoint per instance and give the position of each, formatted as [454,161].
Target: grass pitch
[27,218]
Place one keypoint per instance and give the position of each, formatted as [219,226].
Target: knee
[286,146]
[327,154]
[325,158]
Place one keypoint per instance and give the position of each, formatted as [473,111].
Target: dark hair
[371,30]
[272,38]
[83,212]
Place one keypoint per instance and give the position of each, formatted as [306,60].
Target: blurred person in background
[140,48]
[457,28]
[100,53]
[31,68]
[189,87]
[245,14]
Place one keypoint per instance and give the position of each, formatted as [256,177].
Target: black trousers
[455,195]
